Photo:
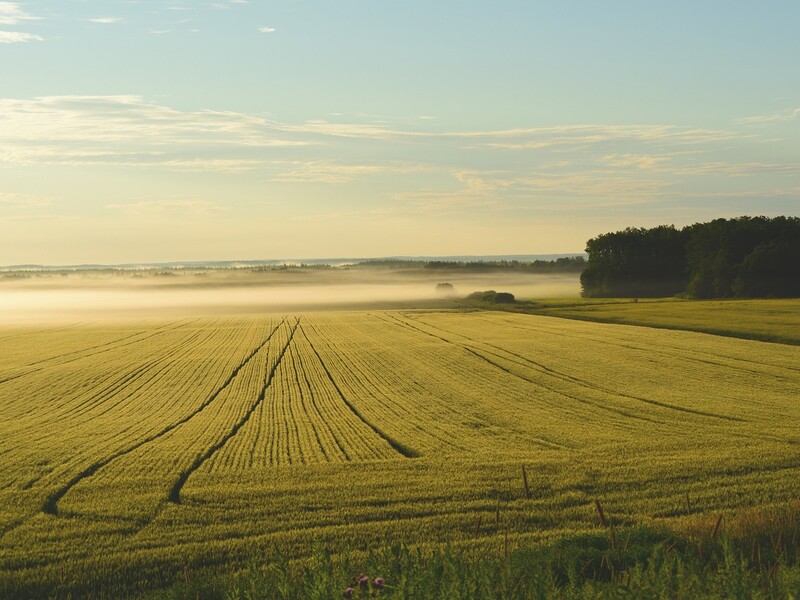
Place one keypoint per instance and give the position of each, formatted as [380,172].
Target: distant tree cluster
[746,257]
[445,289]
[566,264]
[492,297]
[291,267]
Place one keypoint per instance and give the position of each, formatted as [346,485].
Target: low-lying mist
[90,296]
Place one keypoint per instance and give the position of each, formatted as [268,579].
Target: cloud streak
[18,37]
[790,114]
[106,20]
[126,130]
[399,165]
[12,14]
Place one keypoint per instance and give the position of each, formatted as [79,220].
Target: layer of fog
[80,298]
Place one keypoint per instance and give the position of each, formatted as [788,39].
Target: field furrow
[50,504]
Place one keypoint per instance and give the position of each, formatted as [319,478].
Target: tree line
[564,264]
[744,257]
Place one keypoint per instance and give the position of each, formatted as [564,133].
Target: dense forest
[745,257]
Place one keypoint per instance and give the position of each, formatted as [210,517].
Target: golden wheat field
[138,449]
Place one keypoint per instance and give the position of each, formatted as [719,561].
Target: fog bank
[91,298]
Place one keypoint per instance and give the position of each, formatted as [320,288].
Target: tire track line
[301,396]
[688,353]
[334,415]
[582,382]
[66,362]
[473,352]
[175,492]
[140,377]
[75,408]
[50,505]
[361,371]
[398,446]
[84,351]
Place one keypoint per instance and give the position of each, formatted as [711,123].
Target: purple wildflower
[378,582]
[348,593]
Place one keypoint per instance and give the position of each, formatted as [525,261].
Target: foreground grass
[766,320]
[755,557]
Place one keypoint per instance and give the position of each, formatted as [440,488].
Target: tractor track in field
[365,375]
[174,495]
[688,354]
[295,360]
[84,352]
[109,392]
[160,331]
[127,379]
[12,526]
[582,382]
[118,384]
[399,447]
[474,352]
[50,505]
[25,334]
[108,389]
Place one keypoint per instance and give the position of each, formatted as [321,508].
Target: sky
[143,131]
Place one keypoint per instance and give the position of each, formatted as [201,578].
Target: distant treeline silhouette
[566,264]
[745,257]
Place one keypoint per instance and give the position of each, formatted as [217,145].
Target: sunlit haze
[191,130]
[87,296]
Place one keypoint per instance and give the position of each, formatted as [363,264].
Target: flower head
[348,593]
[378,582]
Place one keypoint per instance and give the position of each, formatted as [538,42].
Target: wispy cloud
[790,114]
[567,137]
[18,37]
[11,14]
[266,29]
[740,169]
[346,130]
[471,190]
[106,20]
[637,161]
[583,136]
[322,171]
[406,168]
[129,130]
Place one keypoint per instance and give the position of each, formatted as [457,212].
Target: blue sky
[179,130]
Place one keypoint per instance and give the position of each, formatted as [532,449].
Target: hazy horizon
[290,261]
[144,131]
[91,296]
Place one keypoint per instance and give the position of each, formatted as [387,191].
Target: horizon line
[278,261]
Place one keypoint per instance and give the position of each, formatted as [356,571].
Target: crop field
[775,320]
[132,452]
